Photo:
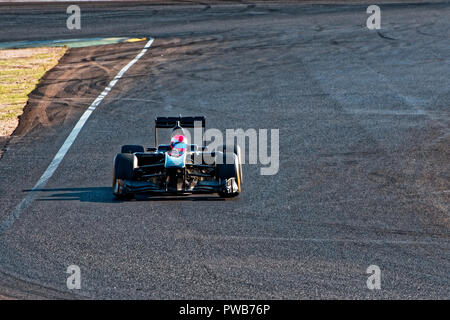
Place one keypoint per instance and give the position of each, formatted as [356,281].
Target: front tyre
[124,164]
[237,150]
[228,174]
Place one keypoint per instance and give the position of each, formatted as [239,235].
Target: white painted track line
[15,214]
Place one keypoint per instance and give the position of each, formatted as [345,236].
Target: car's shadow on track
[104,195]
[145,197]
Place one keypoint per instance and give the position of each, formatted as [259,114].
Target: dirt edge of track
[67,89]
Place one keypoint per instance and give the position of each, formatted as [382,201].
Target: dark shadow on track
[149,197]
[104,195]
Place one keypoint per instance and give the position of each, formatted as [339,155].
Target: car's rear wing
[184,122]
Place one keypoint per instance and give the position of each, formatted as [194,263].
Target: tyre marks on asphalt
[81,75]
[15,214]
[394,115]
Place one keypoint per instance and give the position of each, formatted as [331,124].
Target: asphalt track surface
[364,154]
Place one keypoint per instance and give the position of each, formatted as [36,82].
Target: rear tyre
[132,148]
[123,170]
[226,170]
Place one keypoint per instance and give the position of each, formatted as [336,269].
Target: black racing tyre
[227,170]
[237,150]
[124,166]
[123,170]
[132,148]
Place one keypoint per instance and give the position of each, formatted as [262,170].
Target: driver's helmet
[178,145]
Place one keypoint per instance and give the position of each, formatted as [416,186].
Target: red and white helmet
[178,145]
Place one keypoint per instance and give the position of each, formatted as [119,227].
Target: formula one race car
[178,168]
